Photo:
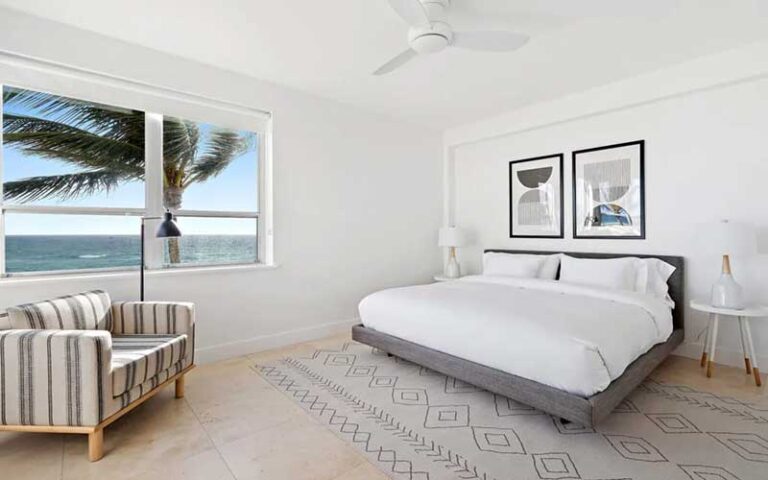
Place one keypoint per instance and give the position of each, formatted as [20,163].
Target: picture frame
[536,197]
[609,191]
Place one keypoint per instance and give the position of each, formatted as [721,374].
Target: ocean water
[40,253]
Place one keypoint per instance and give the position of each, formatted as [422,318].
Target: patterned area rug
[417,424]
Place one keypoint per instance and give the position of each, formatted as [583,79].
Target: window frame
[153,176]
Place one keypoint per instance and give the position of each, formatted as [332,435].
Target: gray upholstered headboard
[676,281]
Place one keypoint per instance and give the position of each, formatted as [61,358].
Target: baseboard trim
[214,353]
[224,351]
[723,356]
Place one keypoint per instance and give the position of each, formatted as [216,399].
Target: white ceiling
[330,47]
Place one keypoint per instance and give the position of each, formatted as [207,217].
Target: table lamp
[452,237]
[730,239]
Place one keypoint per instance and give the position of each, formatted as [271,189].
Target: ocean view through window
[74,187]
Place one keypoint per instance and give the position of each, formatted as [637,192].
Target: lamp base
[452,269]
[726,293]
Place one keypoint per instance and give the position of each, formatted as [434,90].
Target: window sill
[33,278]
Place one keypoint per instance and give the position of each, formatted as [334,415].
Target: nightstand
[743,317]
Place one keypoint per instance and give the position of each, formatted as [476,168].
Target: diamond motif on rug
[748,446]
[447,416]
[635,448]
[555,466]
[382,382]
[410,396]
[672,423]
[708,472]
[498,440]
[340,359]
[361,371]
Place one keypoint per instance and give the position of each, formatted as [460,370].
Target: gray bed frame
[586,411]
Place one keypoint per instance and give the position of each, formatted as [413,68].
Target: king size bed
[549,340]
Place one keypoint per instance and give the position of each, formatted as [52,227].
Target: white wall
[356,201]
[705,125]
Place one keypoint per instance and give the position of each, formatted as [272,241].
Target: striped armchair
[76,364]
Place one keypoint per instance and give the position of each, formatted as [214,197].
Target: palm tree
[108,145]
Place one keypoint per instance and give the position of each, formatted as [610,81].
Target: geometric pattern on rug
[417,424]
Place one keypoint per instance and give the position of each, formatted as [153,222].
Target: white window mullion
[153,184]
[266,197]
[2,193]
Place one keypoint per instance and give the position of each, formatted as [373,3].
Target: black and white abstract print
[608,190]
[536,197]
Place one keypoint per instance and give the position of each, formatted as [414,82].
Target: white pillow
[652,278]
[611,273]
[521,265]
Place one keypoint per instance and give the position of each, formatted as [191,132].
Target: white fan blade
[412,11]
[490,41]
[396,62]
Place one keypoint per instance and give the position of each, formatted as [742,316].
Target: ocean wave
[92,256]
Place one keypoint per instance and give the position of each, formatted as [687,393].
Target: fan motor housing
[430,38]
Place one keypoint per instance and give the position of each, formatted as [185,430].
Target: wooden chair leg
[180,387]
[96,445]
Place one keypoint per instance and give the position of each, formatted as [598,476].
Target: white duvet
[571,337]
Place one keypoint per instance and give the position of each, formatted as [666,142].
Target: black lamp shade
[167,227]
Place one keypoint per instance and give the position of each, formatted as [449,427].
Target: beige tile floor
[234,425]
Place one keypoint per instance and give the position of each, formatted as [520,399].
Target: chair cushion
[138,358]
[82,311]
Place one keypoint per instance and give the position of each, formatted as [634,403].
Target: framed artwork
[536,197]
[609,192]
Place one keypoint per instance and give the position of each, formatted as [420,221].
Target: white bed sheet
[571,337]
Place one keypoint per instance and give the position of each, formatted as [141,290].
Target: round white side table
[743,317]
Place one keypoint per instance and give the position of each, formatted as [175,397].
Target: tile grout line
[210,439]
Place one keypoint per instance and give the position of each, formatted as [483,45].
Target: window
[210,179]
[77,176]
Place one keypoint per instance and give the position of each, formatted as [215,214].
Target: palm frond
[220,149]
[59,141]
[63,187]
[180,139]
[100,119]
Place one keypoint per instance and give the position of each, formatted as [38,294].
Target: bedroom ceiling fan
[429,33]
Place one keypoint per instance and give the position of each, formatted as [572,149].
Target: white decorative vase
[452,269]
[726,293]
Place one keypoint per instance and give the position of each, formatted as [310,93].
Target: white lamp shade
[732,238]
[451,237]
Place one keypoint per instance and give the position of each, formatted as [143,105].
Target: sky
[233,189]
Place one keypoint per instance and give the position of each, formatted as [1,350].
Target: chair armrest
[143,318]
[55,377]
[152,317]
